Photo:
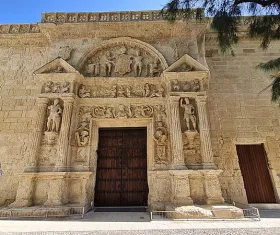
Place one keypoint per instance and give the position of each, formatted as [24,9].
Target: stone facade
[63,79]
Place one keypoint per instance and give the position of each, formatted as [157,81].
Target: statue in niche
[108,64]
[84,92]
[154,69]
[138,64]
[123,61]
[175,85]
[65,53]
[54,118]
[189,113]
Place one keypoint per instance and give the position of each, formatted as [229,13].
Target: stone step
[266,206]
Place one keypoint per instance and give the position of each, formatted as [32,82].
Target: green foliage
[263,19]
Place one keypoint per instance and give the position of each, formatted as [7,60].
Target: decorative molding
[19,28]
[82,17]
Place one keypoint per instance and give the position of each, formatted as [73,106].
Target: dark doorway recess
[121,178]
[255,172]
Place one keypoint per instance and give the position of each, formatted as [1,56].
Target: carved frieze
[57,87]
[185,86]
[122,61]
[127,91]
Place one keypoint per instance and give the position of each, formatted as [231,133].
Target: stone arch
[148,52]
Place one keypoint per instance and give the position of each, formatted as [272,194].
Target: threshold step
[266,206]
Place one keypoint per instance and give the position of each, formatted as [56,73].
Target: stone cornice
[81,17]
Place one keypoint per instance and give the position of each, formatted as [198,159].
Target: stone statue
[54,118]
[92,69]
[189,113]
[138,64]
[84,92]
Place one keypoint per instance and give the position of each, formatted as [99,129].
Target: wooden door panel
[121,178]
[256,177]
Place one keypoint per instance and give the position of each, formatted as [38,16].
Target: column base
[215,200]
[20,203]
[208,166]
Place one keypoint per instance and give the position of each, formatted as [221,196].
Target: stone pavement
[124,223]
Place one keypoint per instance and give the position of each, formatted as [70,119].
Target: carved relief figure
[65,53]
[84,92]
[175,85]
[147,90]
[123,62]
[154,69]
[65,88]
[196,85]
[49,87]
[189,113]
[108,64]
[54,118]
[157,92]
[138,64]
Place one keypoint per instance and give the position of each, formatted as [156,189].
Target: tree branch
[263,3]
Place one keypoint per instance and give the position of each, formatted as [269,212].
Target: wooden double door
[255,172]
[121,178]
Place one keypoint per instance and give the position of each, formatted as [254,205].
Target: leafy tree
[263,18]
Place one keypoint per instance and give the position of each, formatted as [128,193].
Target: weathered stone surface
[136,72]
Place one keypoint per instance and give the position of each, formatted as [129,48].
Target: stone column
[177,161]
[206,147]
[212,186]
[38,132]
[65,132]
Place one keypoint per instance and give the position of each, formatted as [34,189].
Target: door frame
[121,123]
[257,141]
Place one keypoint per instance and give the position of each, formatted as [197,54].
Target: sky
[29,11]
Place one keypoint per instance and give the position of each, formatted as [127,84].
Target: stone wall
[237,113]
[241,111]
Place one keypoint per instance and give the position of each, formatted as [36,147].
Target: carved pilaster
[181,188]
[25,189]
[37,134]
[176,136]
[206,147]
[64,132]
[212,187]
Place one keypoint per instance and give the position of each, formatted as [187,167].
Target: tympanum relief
[185,86]
[158,112]
[126,91]
[122,61]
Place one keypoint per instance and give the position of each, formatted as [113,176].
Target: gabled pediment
[186,64]
[57,65]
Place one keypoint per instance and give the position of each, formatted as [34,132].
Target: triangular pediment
[57,65]
[186,64]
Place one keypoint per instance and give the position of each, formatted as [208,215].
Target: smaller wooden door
[255,172]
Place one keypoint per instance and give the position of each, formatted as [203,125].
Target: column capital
[201,99]
[42,100]
[68,100]
[174,99]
